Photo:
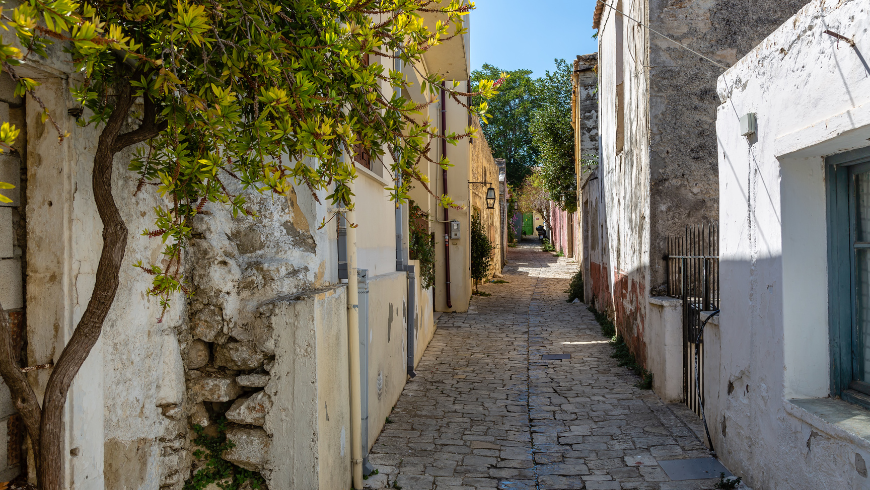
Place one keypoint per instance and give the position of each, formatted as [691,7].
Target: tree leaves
[247,90]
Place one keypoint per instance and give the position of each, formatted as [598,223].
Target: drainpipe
[353,339]
[444,191]
[403,265]
[363,315]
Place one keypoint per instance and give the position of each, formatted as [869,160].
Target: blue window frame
[847,178]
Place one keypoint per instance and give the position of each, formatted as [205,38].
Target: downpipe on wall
[363,314]
[444,192]
[353,338]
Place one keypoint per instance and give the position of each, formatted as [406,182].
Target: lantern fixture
[490,194]
[490,198]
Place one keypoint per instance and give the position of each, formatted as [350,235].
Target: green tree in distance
[508,117]
[553,136]
[265,92]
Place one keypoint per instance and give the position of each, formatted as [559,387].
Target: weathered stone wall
[245,270]
[623,170]
[659,163]
[590,240]
[684,185]
[484,169]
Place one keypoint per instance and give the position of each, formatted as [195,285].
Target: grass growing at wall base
[621,352]
[575,289]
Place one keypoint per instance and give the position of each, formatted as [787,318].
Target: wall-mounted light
[490,194]
[490,198]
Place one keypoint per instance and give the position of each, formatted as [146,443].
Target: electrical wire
[664,36]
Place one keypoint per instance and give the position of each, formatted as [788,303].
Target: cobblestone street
[487,412]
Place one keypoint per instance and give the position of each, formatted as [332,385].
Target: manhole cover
[693,469]
[556,357]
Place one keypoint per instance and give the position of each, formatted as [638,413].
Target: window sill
[370,174]
[835,417]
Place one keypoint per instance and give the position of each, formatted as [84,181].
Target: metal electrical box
[454,230]
[748,124]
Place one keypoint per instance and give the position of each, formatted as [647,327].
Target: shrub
[421,244]
[575,289]
[481,251]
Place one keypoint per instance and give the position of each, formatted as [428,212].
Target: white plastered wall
[771,347]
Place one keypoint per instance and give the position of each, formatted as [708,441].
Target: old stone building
[658,163]
[584,118]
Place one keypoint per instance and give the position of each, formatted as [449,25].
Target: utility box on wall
[454,230]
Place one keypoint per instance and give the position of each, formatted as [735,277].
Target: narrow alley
[488,411]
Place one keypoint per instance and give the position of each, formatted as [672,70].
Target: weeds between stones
[728,483]
[621,352]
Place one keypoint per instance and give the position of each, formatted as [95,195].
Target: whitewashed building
[786,390]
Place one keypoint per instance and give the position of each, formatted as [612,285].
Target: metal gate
[693,276]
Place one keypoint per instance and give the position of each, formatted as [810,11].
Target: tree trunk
[50,457]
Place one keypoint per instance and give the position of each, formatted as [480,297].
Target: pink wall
[560,220]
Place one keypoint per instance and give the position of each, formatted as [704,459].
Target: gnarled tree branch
[50,474]
[23,397]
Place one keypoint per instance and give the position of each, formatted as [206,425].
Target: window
[848,181]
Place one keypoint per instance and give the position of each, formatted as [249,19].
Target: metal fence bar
[693,276]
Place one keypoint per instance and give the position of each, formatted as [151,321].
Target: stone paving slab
[488,411]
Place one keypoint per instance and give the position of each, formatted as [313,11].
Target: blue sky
[512,34]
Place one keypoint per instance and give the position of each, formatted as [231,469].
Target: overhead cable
[664,36]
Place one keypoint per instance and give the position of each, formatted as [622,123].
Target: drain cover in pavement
[556,357]
[693,469]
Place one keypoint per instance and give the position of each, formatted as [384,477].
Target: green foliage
[481,250]
[623,354]
[728,483]
[509,114]
[607,327]
[266,93]
[481,293]
[575,288]
[216,470]
[547,247]
[499,281]
[553,136]
[421,244]
[373,473]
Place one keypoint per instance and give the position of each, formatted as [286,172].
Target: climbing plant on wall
[264,92]
[481,250]
[421,244]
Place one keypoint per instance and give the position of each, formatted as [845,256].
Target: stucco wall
[767,397]
[309,420]
[624,174]
[387,310]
